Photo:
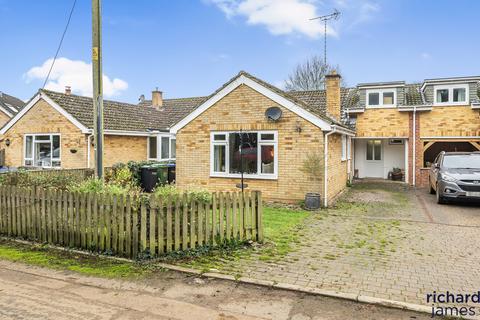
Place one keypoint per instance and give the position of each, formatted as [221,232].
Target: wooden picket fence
[128,226]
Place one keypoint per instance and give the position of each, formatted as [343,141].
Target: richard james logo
[454,304]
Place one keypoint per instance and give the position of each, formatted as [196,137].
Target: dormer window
[381,98]
[451,94]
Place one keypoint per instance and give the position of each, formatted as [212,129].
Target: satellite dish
[273,113]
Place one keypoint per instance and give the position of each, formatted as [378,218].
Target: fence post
[143,227]
[128,227]
[160,219]
[259,217]
[185,222]
[153,226]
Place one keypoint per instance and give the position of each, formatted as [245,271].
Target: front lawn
[282,230]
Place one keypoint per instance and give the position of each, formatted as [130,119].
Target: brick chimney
[332,85]
[157,98]
[68,90]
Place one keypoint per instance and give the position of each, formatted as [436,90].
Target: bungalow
[203,134]
[54,130]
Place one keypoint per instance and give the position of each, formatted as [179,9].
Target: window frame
[344,147]
[32,159]
[373,150]
[381,92]
[260,143]
[450,88]
[159,147]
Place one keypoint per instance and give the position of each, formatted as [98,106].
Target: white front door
[373,159]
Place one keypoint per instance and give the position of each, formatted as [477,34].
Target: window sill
[249,177]
[451,104]
[382,107]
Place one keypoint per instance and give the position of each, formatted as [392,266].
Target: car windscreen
[458,161]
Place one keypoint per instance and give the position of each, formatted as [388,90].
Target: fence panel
[129,226]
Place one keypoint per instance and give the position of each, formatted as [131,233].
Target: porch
[378,157]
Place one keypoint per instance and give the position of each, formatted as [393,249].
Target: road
[35,293]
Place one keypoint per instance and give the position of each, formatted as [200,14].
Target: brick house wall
[42,118]
[121,149]
[244,108]
[337,168]
[387,123]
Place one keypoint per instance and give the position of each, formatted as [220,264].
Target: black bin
[148,178]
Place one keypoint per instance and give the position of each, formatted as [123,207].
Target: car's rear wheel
[440,199]
[432,191]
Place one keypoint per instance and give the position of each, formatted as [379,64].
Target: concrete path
[35,293]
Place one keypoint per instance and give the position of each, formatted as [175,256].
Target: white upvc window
[374,150]
[451,94]
[259,150]
[161,147]
[381,98]
[42,150]
[344,147]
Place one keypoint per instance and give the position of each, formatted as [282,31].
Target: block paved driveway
[383,240]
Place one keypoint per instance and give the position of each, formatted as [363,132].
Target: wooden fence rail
[128,226]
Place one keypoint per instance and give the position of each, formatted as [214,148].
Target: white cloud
[280,17]
[76,74]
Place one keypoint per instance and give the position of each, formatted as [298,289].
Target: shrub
[99,187]
[172,192]
[48,179]
[120,175]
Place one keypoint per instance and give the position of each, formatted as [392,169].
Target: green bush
[172,192]
[121,175]
[56,180]
[99,187]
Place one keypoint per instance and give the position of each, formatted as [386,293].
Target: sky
[191,47]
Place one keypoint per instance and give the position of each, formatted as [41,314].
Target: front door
[374,159]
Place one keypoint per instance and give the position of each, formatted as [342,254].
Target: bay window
[162,147]
[42,150]
[253,153]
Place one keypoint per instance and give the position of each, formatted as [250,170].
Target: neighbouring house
[54,130]
[9,107]
[405,126]
[203,135]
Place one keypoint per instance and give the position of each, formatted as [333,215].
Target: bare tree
[309,75]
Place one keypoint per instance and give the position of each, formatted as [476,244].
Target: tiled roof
[10,103]
[120,115]
[413,96]
[179,102]
[143,117]
[299,99]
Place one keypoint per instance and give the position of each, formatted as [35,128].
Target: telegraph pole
[97,85]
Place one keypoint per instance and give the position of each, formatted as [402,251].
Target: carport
[431,148]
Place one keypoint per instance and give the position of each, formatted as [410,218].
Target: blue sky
[191,47]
